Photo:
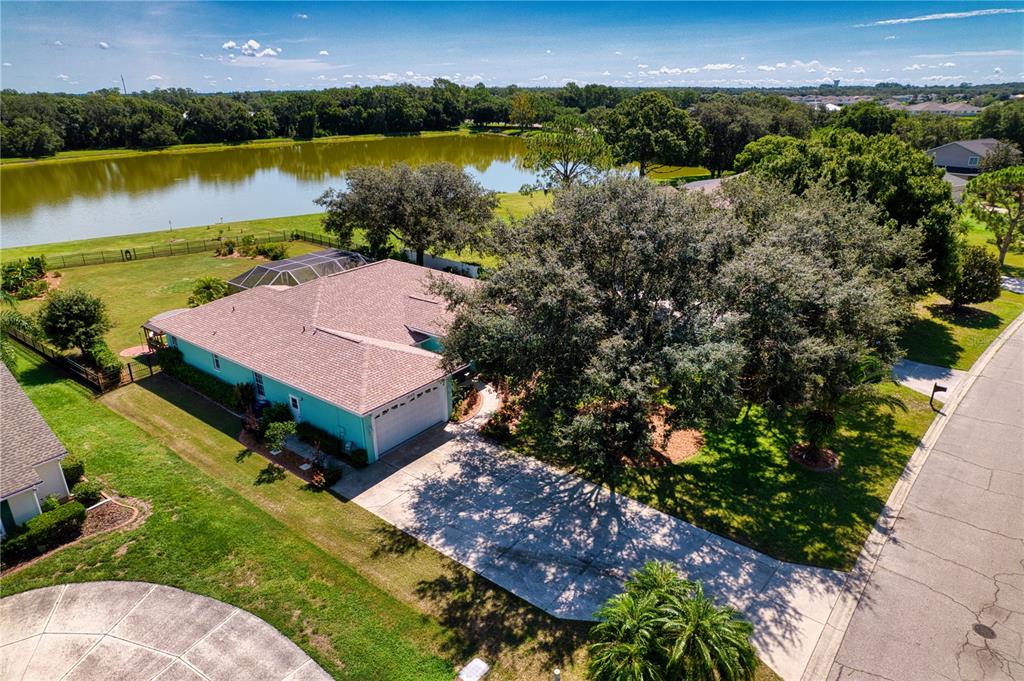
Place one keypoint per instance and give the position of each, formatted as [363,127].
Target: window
[258,379]
[216,362]
[973,161]
[294,401]
[174,341]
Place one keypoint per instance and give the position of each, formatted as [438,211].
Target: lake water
[65,201]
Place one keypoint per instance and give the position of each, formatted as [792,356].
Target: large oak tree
[651,131]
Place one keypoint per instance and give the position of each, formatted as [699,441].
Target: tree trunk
[419,256]
[643,168]
[1004,247]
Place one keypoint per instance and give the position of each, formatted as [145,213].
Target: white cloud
[154,77]
[230,45]
[547,51]
[718,67]
[603,73]
[948,63]
[943,16]
[941,79]
[229,78]
[914,67]
[859,69]
[269,52]
[103,45]
[814,66]
[692,69]
[618,52]
[539,78]
[997,70]
[765,67]
[889,37]
[64,77]
[58,43]
[665,71]
[7,63]
[324,53]
[301,16]
[642,66]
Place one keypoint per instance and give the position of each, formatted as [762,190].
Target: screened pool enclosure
[298,270]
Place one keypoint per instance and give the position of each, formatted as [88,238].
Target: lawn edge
[827,648]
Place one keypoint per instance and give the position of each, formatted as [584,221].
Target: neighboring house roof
[25,439]
[962,108]
[348,338]
[978,147]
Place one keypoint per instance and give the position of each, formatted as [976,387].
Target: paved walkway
[945,599]
[921,377]
[133,631]
[566,545]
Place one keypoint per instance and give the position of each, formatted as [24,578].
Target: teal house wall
[328,417]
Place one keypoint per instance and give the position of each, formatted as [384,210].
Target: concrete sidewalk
[566,545]
[945,597]
[921,377]
[133,631]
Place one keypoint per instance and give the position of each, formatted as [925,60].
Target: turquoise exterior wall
[328,417]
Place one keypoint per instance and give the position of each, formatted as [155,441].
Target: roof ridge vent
[433,301]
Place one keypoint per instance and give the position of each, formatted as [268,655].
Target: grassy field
[742,486]
[136,291]
[975,233]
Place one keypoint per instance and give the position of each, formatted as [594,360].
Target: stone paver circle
[136,631]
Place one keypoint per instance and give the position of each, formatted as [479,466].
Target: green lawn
[364,599]
[742,486]
[975,233]
[940,337]
[136,291]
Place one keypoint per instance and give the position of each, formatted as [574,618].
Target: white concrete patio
[565,545]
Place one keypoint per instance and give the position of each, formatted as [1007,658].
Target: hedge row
[44,532]
[173,363]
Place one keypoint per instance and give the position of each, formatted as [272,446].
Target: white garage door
[404,418]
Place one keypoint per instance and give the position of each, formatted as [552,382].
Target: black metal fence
[100,381]
[184,247]
[318,238]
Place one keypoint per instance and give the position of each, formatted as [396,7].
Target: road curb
[827,647]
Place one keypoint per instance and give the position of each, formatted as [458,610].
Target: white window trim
[973,161]
[216,361]
[297,407]
[257,380]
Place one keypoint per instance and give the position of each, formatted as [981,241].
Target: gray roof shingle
[25,439]
[347,338]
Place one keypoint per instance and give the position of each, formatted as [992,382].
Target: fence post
[131,376]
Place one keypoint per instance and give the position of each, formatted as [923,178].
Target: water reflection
[57,202]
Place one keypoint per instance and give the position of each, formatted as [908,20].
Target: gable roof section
[25,439]
[347,339]
[979,147]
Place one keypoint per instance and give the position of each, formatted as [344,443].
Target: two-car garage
[397,421]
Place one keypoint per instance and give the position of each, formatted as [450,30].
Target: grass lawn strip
[207,538]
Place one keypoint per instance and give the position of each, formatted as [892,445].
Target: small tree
[1002,155]
[207,290]
[568,150]
[996,199]
[73,318]
[437,206]
[651,131]
[979,280]
[522,109]
[664,627]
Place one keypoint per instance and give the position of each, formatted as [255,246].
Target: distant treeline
[41,124]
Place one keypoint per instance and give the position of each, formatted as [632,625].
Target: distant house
[943,108]
[30,456]
[963,156]
[957,184]
[355,354]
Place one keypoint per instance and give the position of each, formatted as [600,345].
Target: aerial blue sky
[209,46]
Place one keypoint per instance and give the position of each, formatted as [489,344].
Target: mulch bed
[118,513]
[817,460]
[471,407]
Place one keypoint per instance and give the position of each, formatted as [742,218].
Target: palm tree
[664,628]
[708,643]
[629,646]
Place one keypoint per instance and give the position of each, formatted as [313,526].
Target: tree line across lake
[41,124]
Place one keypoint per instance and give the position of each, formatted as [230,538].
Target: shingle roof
[25,439]
[347,338]
[979,147]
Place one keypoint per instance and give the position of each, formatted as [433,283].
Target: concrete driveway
[133,631]
[945,599]
[566,545]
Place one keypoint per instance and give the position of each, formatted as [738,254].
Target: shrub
[324,477]
[979,279]
[103,357]
[245,395]
[35,266]
[87,493]
[247,245]
[207,290]
[32,289]
[360,458]
[73,469]
[49,503]
[44,532]
[226,248]
[272,251]
[172,362]
[275,412]
[276,433]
